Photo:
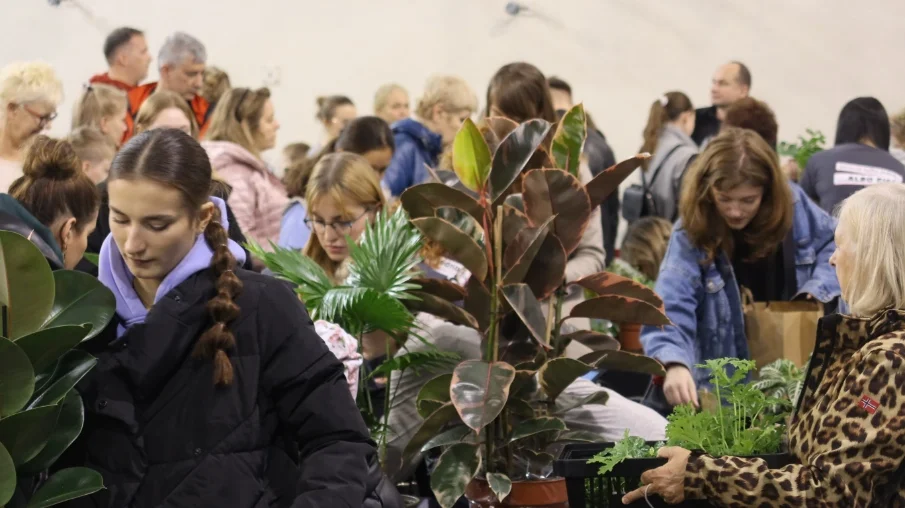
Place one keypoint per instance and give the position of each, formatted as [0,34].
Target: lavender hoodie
[113,273]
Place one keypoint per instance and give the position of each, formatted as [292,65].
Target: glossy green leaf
[479,391]
[566,402]
[629,362]
[536,426]
[458,434]
[437,389]
[521,252]
[528,309]
[568,141]
[69,425]
[609,179]
[441,308]
[620,309]
[555,193]
[559,373]
[430,427]
[78,299]
[92,257]
[500,484]
[7,476]
[611,284]
[524,383]
[458,245]
[548,270]
[65,485]
[24,434]
[425,199]
[458,465]
[44,347]
[471,156]
[72,367]
[17,378]
[426,407]
[520,407]
[26,285]
[595,340]
[513,154]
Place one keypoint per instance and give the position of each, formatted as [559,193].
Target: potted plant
[806,147]
[45,315]
[494,418]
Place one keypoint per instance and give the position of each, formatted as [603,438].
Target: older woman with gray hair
[30,93]
[848,429]
[182,60]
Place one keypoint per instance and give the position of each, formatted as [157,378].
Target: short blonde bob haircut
[348,180]
[97,103]
[382,97]
[872,229]
[24,82]
[450,92]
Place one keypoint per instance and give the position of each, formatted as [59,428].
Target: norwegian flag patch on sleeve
[870,405]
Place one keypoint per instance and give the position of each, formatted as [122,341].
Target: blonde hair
[92,145]
[96,103]
[215,84]
[645,245]
[872,221]
[382,97]
[156,103]
[238,116]
[451,92]
[23,82]
[897,128]
[347,179]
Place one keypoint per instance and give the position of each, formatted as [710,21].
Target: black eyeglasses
[42,119]
[342,228]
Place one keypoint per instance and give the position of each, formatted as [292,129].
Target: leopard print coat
[848,431]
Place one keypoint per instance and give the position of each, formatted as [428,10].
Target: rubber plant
[45,315]
[494,418]
[376,296]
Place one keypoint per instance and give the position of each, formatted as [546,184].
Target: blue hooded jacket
[416,147]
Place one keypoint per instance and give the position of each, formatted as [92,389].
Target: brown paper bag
[780,329]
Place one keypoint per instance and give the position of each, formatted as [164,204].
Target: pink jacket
[258,198]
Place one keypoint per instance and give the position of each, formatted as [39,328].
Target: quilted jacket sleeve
[311,396]
[400,174]
[864,449]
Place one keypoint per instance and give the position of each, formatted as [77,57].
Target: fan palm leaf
[386,256]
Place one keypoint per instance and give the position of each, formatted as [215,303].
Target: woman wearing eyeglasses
[243,125]
[29,95]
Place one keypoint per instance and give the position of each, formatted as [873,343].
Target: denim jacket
[703,300]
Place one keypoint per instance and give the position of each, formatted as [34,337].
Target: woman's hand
[667,481]
[679,386]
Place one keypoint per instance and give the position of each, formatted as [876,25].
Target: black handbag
[638,200]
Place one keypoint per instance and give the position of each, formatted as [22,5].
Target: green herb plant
[806,147]
[629,447]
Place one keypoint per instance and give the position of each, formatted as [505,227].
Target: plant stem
[549,330]
[558,296]
[492,351]
[386,412]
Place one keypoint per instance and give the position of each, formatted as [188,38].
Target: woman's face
[738,206]
[342,115]
[396,108]
[267,128]
[172,118]
[26,120]
[448,123]
[843,258]
[152,226]
[72,241]
[114,126]
[331,224]
[379,159]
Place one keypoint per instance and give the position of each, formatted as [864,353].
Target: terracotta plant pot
[630,337]
[536,494]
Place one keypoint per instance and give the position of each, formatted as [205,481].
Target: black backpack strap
[657,171]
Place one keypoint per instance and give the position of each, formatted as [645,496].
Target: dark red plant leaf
[449,291]
[424,200]
[554,192]
[610,284]
[621,309]
[441,308]
[458,245]
[514,222]
[609,179]
[513,154]
[528,309]
[548,270]
[477,302]
[624,361]
[595,340]
[521,252]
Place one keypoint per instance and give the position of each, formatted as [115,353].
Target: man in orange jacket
[126,51]
[181,62]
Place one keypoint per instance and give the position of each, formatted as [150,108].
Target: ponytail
[219,339]
[665,109]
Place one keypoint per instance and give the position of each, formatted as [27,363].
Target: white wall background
[807,57]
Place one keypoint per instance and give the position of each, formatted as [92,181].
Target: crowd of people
[214,388]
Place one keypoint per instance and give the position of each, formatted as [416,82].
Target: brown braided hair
[173,158]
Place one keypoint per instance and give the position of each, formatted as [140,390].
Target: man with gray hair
[181,61]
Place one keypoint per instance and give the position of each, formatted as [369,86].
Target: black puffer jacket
[163,435]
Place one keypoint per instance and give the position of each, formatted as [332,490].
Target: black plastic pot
[587,489]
